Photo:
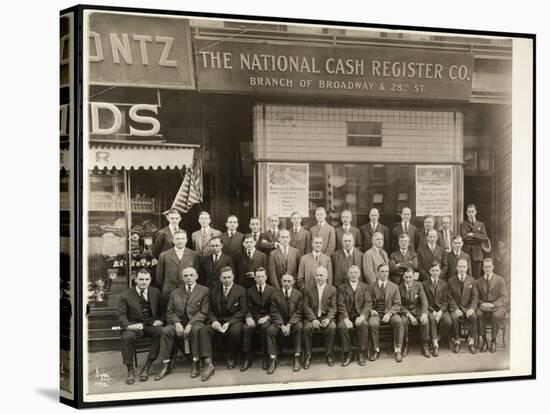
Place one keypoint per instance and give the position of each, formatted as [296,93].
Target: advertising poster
[288,189]
[434,190]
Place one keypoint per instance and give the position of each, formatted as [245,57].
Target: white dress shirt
[320,290]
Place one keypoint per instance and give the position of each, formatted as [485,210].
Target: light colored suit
[371,260]
[327,233]
[203,247]
[307,268]
[301,240]
[278,266]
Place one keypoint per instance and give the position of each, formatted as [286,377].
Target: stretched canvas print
[261,205]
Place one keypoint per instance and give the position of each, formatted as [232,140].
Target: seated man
[186,314]
[226,315]
[319,315]
[354,306]
[286,320]
[140,313]
[463,305]
[493,299]
[439,319]
[386,305]
[402,259]
[414,310]
[258,319]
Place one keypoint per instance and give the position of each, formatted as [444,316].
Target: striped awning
[134,155]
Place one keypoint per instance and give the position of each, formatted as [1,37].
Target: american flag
[190,191]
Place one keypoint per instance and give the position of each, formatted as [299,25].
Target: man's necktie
[188,290]
[250,255]
[383,290]
[285,251]
[287,299]
[406,227]
[295,231]
[319,226]
[225,291]
[142,295]
[255,236]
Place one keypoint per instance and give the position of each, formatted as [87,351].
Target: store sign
[287,189]
[107,119]
[381,72]
[141,51]
[434,190]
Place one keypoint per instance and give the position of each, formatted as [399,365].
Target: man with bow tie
[374,257]
[473,234]
[324,230]
[463,299]
[164,238]
[348,255]
[232,239]
[455,255]
[300,238]
[269,240]
[345,217]
[405,227]
[402,259]
[285,259]
[214,263]
[250,260]
[374,226]
[309,264]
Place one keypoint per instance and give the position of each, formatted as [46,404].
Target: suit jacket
[410,259]
[185,308]
[204,250]
[328,235]
[258,307]
[367,232]
[281,314]
[415,301]
[452,261]
[421,240]
[163,241]
[347,299]
[235,309]
[232,246]
[246,265]
[278,265]
[327,301]
[301,240]
[356,237]
[341,264]
[462,298]
[441,236]
[472,244]
[308,266]
[371,260]
[437,296]
[169,268]
[396,233]
[392,300]
[266,241]
[211,270]
[425,259]
[129,310]
[494,293]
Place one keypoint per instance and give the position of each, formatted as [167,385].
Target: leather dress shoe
[375,355]
[163,372]
[231,364]
[246,363]
[144,374]
[472,349]
[456,347]
[208,371]
[435,351]
[493,347]
[405,350]
[307,361]
[330,361]
[361,359]
[398,357]
[347,359]
[130,379]
[426,351]
[484,346]
[272,366]
[196,369]
[297,366]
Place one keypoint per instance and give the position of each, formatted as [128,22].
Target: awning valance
[133,155]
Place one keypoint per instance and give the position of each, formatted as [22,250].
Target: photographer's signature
[101,380]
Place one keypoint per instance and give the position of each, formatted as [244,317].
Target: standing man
[186,315]
[164,238]
[325,231]
[405,227]
[374,226]
[437,294]
[258,317]
[255,228]
[232,239]
[422,235]
[214,263]
[269,240]
[309,264]
[402,259]
[429,253]
[463,300]
[172,262]
[300,238]
[455,255]
[414,311]
[140,314]
[283,260]
[286,320]
[447,234]
[319,314]
[250,261]
[345,216]
[201,238]
[493,299]
[473,234]
[226,316]
[374,257]
[354,306]
[347,256]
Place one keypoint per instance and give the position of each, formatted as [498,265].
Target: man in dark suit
[386,305]
[437,293]
[422,235]
[345,216]
[164,238]
[232,239]
[269,240]
[325,231]
[225,320]
[414,310]
[455,255]
[251,260]
[319,314]
[473,234]
[463,305]
[140,313]
[354,305]
[493,299]
[430,253]
[173,261]
[374,226]
[300,238]
[402,259]
[214,263]
[347,256]
[405,227]
[283,260]
[446,233]
[186,315]
[286,320]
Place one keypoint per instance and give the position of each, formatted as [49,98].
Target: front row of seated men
[197,317]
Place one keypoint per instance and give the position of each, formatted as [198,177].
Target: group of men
[295,283]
